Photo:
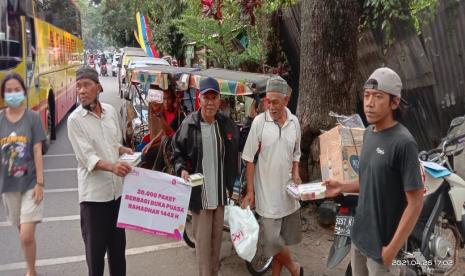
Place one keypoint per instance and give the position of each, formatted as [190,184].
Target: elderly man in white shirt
[275,137]
[95,136]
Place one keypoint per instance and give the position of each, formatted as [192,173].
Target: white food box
[307,191]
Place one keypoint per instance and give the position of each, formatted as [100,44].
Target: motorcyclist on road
[103,60]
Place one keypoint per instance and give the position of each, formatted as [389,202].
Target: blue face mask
[14,99]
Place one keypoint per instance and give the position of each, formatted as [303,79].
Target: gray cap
[279,85]
[87,72]
[386,80]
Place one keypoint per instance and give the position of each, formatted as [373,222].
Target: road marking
[60,170]
[50,219]
[60,155]
[52,191]
[82,258]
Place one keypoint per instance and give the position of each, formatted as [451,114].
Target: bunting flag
[144,36]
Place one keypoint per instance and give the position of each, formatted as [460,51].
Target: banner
[154,203]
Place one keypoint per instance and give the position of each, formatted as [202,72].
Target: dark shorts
[275,234]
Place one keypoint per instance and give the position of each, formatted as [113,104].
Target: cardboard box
[340,150]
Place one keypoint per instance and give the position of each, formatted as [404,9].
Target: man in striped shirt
[207,143]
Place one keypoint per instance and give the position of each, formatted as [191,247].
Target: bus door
[31,51]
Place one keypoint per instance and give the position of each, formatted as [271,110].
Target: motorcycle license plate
[343,225]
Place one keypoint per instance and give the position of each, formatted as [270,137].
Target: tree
[328,70]
[90,22]
[162,16]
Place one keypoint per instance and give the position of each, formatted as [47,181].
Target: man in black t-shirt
[390,184]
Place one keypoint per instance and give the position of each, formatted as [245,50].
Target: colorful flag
[144,36]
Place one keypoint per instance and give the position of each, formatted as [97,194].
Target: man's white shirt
[94,139]
[280,147]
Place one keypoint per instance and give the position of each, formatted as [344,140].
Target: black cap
[87,72]
[209,84]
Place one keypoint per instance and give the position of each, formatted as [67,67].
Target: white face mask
[14,99]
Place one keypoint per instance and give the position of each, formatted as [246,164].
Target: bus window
[10,38]
[3,20]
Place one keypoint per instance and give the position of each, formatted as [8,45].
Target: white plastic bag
[244,231]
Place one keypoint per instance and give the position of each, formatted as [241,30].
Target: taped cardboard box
[340,150]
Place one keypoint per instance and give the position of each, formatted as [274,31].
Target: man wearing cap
[95,135]
[207,143]
[390,184]
[275,135]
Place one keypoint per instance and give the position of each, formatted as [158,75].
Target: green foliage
[118,21]
[254,54]
[270,6]
[90,21]
[422,11]
[162,16]
[383,14]
[177,22]
[209,33]
[217,36]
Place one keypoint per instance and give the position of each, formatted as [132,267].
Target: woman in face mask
[21,166]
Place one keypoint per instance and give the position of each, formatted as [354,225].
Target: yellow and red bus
[41,40]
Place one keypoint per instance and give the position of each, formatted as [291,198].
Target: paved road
[60,246]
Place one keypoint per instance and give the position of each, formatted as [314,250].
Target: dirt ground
[312,252]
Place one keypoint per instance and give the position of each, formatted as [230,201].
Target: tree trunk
[328,72]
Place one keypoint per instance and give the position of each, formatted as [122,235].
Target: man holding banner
[207,143]
[95,136]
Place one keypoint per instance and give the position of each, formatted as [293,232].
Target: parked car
[127,54]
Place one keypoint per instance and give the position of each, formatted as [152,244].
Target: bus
[41,40]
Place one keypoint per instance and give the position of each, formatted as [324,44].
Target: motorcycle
[345,214]
[440,231]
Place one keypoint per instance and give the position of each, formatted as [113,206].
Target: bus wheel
[51,116]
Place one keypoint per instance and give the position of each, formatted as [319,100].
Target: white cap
[155,95]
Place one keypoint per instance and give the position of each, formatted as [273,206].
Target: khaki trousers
[364,266]
[208,234]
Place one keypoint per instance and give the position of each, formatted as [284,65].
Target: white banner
[154,203]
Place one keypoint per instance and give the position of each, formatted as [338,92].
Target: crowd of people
[208,142]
